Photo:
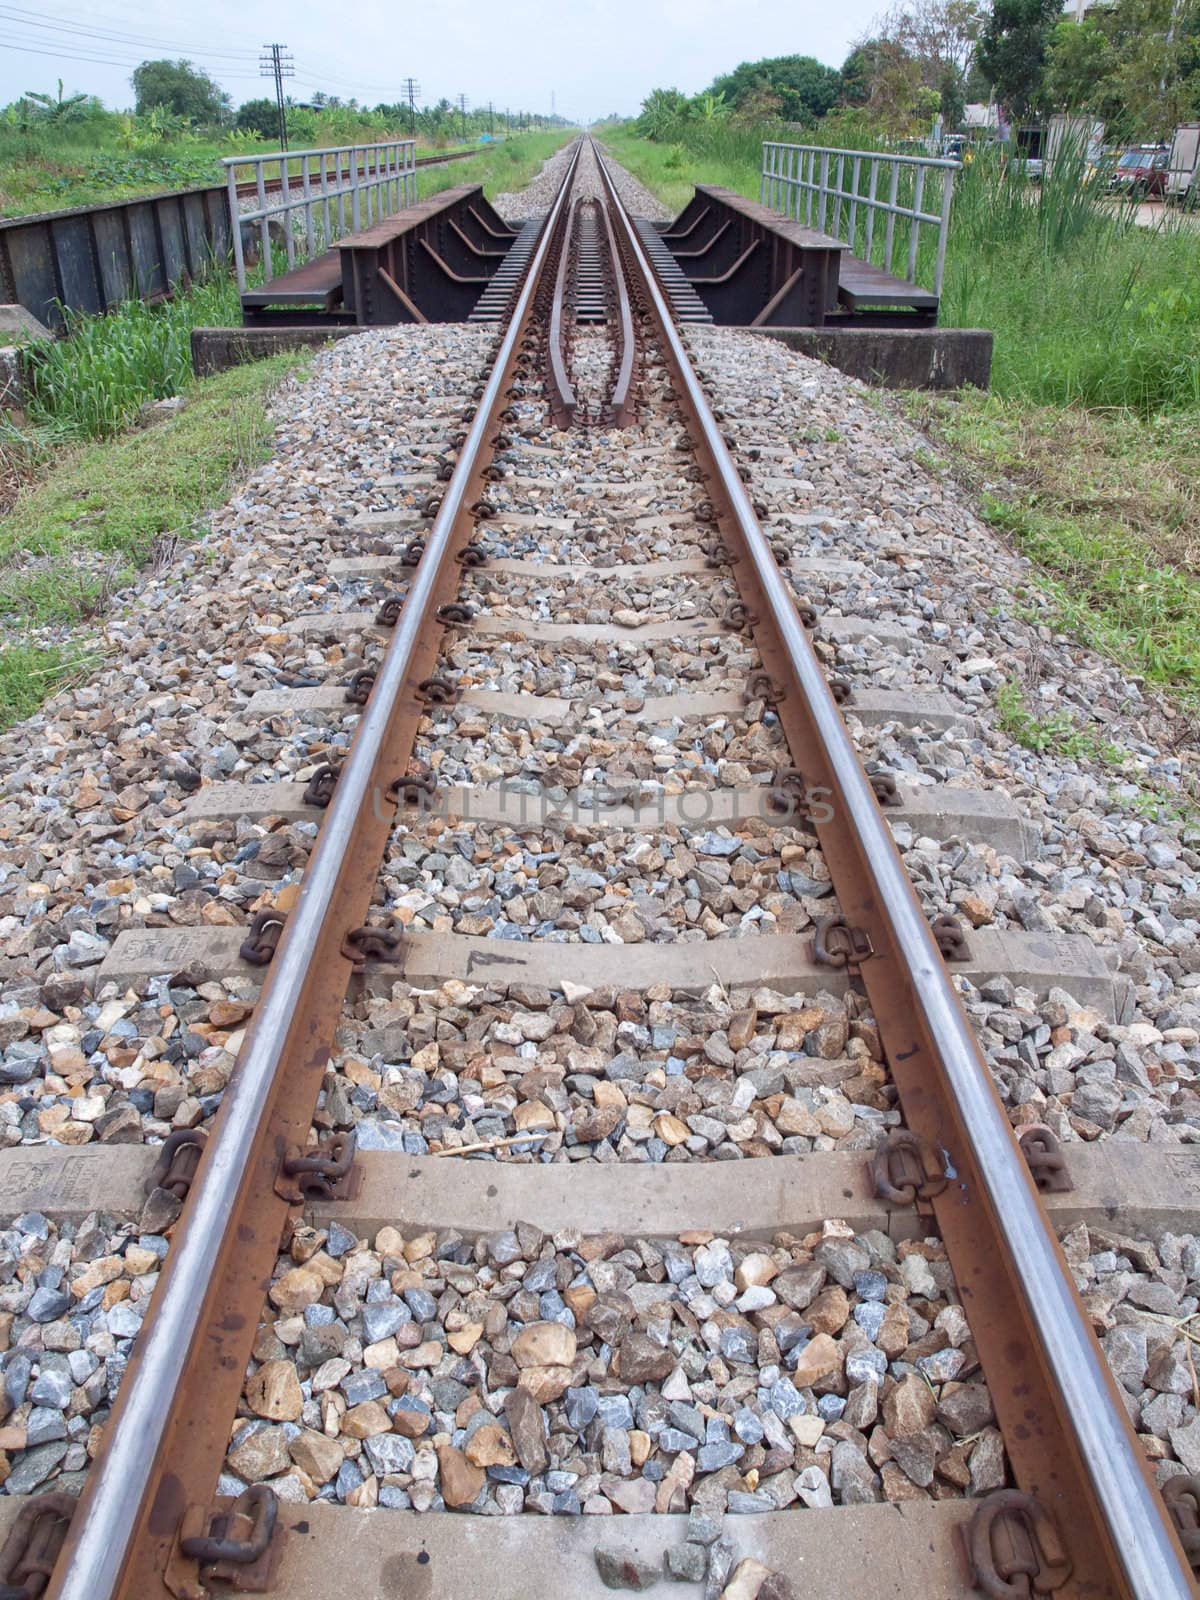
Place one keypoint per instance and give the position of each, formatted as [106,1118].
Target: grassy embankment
[86,496]
[101,509]
[1085,450]
[48,167]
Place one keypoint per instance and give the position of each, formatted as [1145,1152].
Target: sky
[593,57]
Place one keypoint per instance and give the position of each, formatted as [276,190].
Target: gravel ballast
[94,839]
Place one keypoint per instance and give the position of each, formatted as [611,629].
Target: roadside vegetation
[61,150]
[95,381]
[94,485]
[94,513]
[1084,451]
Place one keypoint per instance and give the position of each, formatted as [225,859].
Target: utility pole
[411,90]
[462,108]
[491,119]
[277,62]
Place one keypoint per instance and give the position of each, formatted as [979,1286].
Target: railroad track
[602,1361]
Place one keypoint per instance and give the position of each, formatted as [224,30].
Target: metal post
[235,228]
[824,191]
[264,230]
[944,228]
[871,210]
[285,198]
[891,221]
[355,213]
[306,186]
[914,227]
[328,240]
[854,182]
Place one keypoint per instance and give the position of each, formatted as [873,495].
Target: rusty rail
[561,395]
[169,1428]
[1068,1437]
[560,391]
[1084,1498]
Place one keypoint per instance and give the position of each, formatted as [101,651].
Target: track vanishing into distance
[590,360]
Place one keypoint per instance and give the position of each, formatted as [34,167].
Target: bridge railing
[320,195]
[844,192]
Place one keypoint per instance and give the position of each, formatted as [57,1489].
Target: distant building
[979,115]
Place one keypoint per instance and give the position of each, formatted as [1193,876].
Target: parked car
[1141,172]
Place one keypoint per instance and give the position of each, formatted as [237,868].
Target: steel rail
[1140,1554]
[115,1508]
[621,406]
[561,399]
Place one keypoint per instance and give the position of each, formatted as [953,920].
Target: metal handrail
[1130,1510]
[378,178]
[793,171]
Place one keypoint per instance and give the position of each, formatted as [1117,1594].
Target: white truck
[1183,171]
[1073,137]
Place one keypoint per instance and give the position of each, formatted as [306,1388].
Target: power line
[323,74]
[60,53]
[32,19]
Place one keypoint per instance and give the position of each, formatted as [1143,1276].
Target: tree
[919,44]
[66,108]
[886,79]
[1014,43]
[1079,63]
[805,87]
[661,109]
[1134,64]
[858,69]
[260,116]
[940,33]
[709,107]
[182,88]
[952,98]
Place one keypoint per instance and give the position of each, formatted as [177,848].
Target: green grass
[29,674]
[1084,453]
[501,167]
[86,163]
[714,153]
[102,510]
[1058,734]
[95,382]
[1107,505]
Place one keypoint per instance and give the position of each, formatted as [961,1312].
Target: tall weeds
[1087,307]
[93,382]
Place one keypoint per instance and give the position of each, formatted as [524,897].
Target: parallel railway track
[591,337]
